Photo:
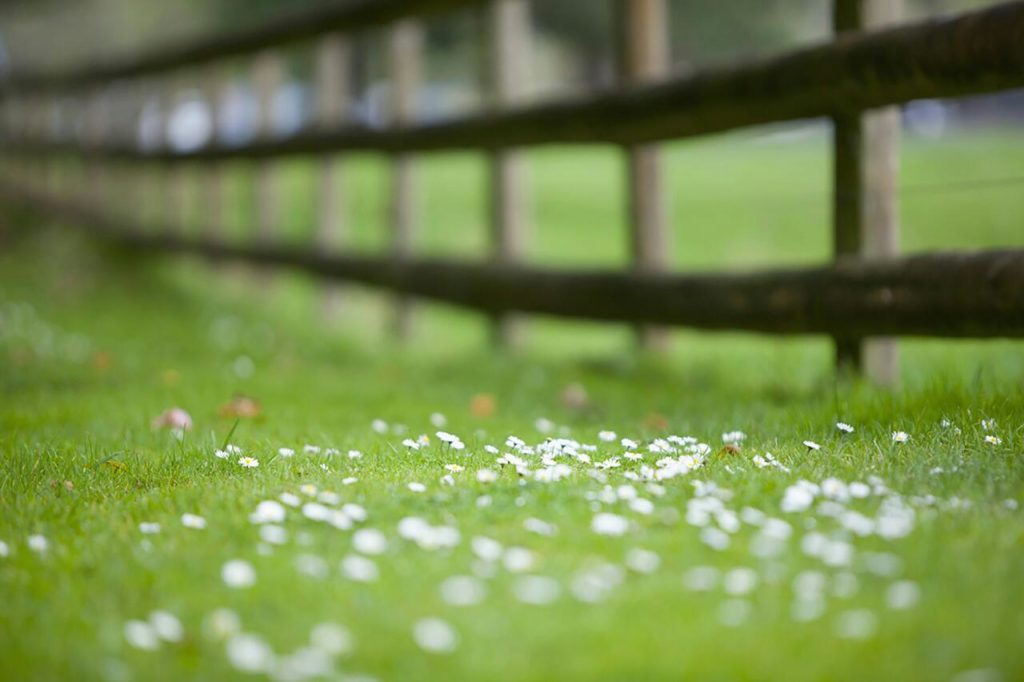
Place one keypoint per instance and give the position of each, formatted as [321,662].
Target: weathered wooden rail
[873,65]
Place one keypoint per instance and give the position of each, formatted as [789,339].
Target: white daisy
[167,626]
[249,653]
[141,635]
[193,521]
[844,427]
[369,541]
[248,462]
[537,590]
[359,569]
[733,437]
[435,636]
[462,590]
[331,638]
[238,574]
[900,436]
[269,511]
[609,524]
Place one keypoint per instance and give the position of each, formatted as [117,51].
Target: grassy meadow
[796,550]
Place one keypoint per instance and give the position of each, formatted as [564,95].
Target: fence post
[268,72]
[644,56]
[508,24]
[331,88]
[180,174]
[215,84]
[865,193]
[406,47]
[94,132]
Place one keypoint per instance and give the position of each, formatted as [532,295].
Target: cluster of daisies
[626,486]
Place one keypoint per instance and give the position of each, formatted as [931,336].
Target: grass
[95,343]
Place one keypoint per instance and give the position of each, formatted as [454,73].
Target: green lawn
[914,576]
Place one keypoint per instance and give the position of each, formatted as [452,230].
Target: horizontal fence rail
[295,27]
[978,52]
[977,294]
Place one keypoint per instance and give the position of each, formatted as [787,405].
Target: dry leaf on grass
[241,407]
[482,405]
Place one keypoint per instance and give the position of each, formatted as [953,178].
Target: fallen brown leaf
[241,407]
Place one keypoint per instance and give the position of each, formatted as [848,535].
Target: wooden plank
[958,295]
[332,87]
[972,53]
[644,56]
[508,32]
[865,218]
[406,50]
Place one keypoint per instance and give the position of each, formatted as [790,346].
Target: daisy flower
[609,524]
[238,574]
[38,543]
[607,436]
[844,427]
[193,521]
[993,440]
[249,462]
[435,636]
[733,437]
[900,436]
[486,476]
[284,452]
[811,445]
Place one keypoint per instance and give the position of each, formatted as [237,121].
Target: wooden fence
[859,79]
